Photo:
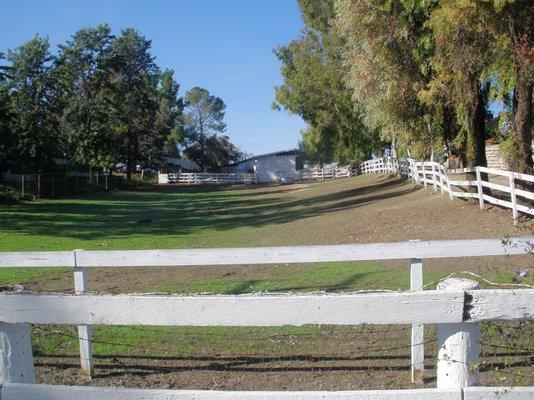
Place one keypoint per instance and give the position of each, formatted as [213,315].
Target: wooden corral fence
[417,307]
[207,178]
[325,173]
[457,307]
[504,190]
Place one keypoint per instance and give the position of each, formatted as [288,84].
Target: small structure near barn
[281,166]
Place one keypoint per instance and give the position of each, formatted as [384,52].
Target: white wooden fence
[434,174]
[206,178]
[325,173]
[235,310]
[457,307]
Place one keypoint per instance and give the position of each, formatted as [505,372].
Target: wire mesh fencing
[291,358]
[62,184]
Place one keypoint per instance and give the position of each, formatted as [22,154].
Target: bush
[9,195]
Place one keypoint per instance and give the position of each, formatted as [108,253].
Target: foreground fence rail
[505,191]
[458,306]
[49,392]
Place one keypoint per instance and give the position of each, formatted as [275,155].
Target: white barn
[280,166]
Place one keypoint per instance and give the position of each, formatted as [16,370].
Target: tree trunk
[523,124]
[477,130]
[477,126]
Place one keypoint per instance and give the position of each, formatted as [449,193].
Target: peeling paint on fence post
[458,344]
[84,331]
[16,356]
[417,339]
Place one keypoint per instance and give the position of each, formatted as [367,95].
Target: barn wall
[273,168]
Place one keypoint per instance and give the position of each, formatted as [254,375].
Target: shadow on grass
[246,286]
[183,210]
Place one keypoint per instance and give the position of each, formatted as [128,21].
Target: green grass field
[347,210]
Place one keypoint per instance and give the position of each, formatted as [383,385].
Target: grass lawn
[362,209]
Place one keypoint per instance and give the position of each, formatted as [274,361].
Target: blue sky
[224,46]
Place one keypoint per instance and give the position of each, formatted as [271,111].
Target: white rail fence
[434,174]
[457,307]
[305,308]
[206,178]
[325,173]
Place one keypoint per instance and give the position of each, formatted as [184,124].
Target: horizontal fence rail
[17,391]
[426,307]
[271,255]
[432,173]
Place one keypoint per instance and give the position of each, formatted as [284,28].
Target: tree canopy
[101,101]
[203,128]
[415,76]
[314,88]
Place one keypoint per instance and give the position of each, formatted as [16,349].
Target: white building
[280,166]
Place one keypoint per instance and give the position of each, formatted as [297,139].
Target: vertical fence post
[22,185]
[441,172]
[458,344]
[16,356]
[449,184]
[513,197]
[418,347]
[53,186]
[38,186]
[106,182]
[424,174]
[479,188]
[84,331]
[434,182]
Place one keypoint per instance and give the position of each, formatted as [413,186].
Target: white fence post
[513,197]
[458,344]
[84,331]
[434,182]
[16,356]
[448,184]
[479,188]
[423,164]
[441,171]
[418,347]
